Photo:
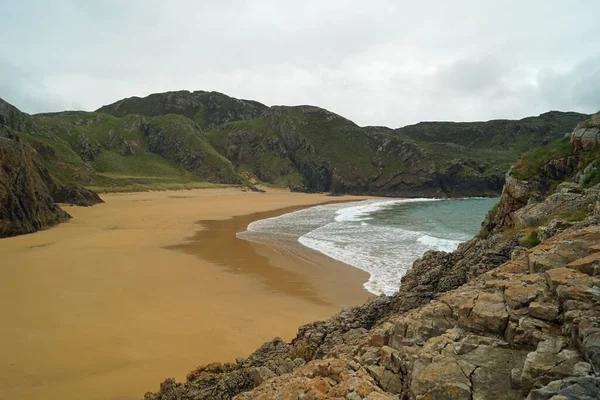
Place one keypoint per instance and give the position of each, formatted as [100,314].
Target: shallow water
[382,237]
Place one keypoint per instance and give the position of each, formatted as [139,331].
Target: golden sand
[133,291]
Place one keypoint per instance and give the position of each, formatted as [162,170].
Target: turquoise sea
[380,236]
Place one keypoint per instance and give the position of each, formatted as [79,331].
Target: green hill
[108,153]
[193,139]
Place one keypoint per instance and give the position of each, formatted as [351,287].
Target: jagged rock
[26,204]
[443,378]
[568,187]
[584,388]
[485,312]
[438,271]
[544,311]
[224,381]
[554,227]
[589,265]
[559,202]
[88,149]
[316,339]
[587,337]
[551,361]
[77,195]
[585,139]
[321,379]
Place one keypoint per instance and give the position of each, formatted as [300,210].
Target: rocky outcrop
[567,198]
[77,195]
[588,135]
[437,271]
[28,192]
[26,204]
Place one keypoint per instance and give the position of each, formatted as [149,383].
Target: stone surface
[77,195]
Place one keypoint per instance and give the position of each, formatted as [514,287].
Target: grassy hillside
[107,153]
[189,139]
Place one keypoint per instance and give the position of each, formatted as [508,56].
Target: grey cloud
[379,62]
[22,90]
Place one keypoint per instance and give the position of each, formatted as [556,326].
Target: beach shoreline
[130,292]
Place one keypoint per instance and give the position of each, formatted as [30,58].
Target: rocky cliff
[512,314]
[28,192]
[26,203]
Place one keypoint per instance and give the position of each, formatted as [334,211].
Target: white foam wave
[435,243]
[340,231]
[385,253]
[362,211]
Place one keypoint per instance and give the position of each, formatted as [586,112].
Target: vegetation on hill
[193,139]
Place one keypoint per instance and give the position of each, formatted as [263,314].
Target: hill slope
[129,153]
[313,149]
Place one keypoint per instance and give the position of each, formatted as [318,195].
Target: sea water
[380,236]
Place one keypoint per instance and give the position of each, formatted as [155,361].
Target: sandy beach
[135,290]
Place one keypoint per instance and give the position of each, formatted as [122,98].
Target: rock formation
[26,203]
[503,317]
[28,192]
[77,195]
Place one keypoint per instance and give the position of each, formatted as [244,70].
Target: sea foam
[350,233]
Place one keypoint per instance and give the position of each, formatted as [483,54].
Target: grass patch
[530,240]
[529,165]
[576,215]
[156,186]
[592,179]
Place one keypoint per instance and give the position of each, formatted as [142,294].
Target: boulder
[585,138]
[76,195]
[485,312]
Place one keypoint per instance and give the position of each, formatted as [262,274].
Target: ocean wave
[361,212]
[381,247]
[384,252]
[436,243]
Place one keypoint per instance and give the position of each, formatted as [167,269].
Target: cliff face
[28,191]
[26,203]
[511,314]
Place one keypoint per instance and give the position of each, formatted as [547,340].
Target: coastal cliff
[28,192]
[512,314]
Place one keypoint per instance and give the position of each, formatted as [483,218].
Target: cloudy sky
[377,62]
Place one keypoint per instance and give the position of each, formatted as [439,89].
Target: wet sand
[136,290]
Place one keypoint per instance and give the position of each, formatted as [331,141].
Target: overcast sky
[376,62]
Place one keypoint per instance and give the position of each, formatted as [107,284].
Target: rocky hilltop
[28,192]
[511,314]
